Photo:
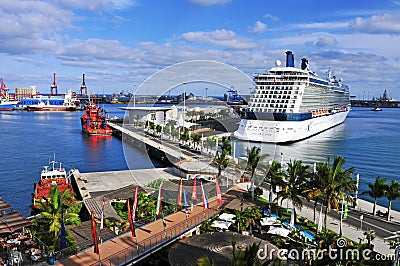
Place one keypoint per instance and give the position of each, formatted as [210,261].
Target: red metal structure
[54,85]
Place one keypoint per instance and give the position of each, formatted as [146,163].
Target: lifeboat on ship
[94,122]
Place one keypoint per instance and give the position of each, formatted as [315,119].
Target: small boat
[5,103]
[376,109]
[69,104]
[50,177]
[94,122]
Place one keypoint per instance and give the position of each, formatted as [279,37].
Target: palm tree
[254,157]
[251,215]
[313,190]
[369,235]
[392,193]
[294,185]
[246,257]
[275,178]
[376,190]
[58,208]
[221,160]
[334,182]
[196,139]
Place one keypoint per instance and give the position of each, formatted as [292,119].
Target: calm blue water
[368,140]
[30,139]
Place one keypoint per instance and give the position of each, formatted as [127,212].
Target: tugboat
[49,178]
[94,122]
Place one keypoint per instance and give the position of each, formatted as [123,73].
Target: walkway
[149,238]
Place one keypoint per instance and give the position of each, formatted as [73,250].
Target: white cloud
[324,41]
[258,27]
[269,16]
[224,38]
[209,2]
[98,5]
[379,24]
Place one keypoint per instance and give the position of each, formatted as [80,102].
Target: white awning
[268,221]
[227,217]
[221,224]
[279,231]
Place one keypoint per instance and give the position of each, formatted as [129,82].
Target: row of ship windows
[278,88]
[271,106]
[273,96]
[276,110]
[270,101]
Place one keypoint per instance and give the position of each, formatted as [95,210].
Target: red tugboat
[49,178]
[94,122]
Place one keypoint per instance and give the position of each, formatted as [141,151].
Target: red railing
[148,245]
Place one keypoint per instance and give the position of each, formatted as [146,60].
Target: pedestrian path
[125,248]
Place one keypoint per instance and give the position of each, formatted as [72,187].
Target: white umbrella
[221,224]
[279,231]
[227,217]
[268,221]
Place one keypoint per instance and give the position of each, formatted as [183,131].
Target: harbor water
[367,140]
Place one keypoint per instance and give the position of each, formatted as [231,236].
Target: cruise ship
[290,104]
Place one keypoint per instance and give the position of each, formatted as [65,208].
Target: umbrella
[221,224]
[279,231]
[268,221]
[227,217]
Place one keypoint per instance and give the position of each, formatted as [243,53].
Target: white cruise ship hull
[286,131]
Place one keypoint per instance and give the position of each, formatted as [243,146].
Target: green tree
[221,160]
[196,139]
[334,182]
[376,190]
[275,178]
[254,157]
[56,208]
[247,257]
[294,185]
[392,193]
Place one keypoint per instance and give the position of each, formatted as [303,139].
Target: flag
[163,220]
[130,218]
[63,238]
[194,194]
[102,212]
[203,197]
[134,204]
[185,203]
[179,201]
[346,210]
[94,236]
[159,205]
[219,196]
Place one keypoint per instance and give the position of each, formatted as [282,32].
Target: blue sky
[118,44]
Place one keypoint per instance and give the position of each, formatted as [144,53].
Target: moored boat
[69,103]
[290,104]
[50,177]
[376,109]
[5,103]
[94,122]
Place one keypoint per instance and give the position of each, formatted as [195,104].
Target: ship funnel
[304,64]
[289,59]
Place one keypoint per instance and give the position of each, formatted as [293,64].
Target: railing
[146,246]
